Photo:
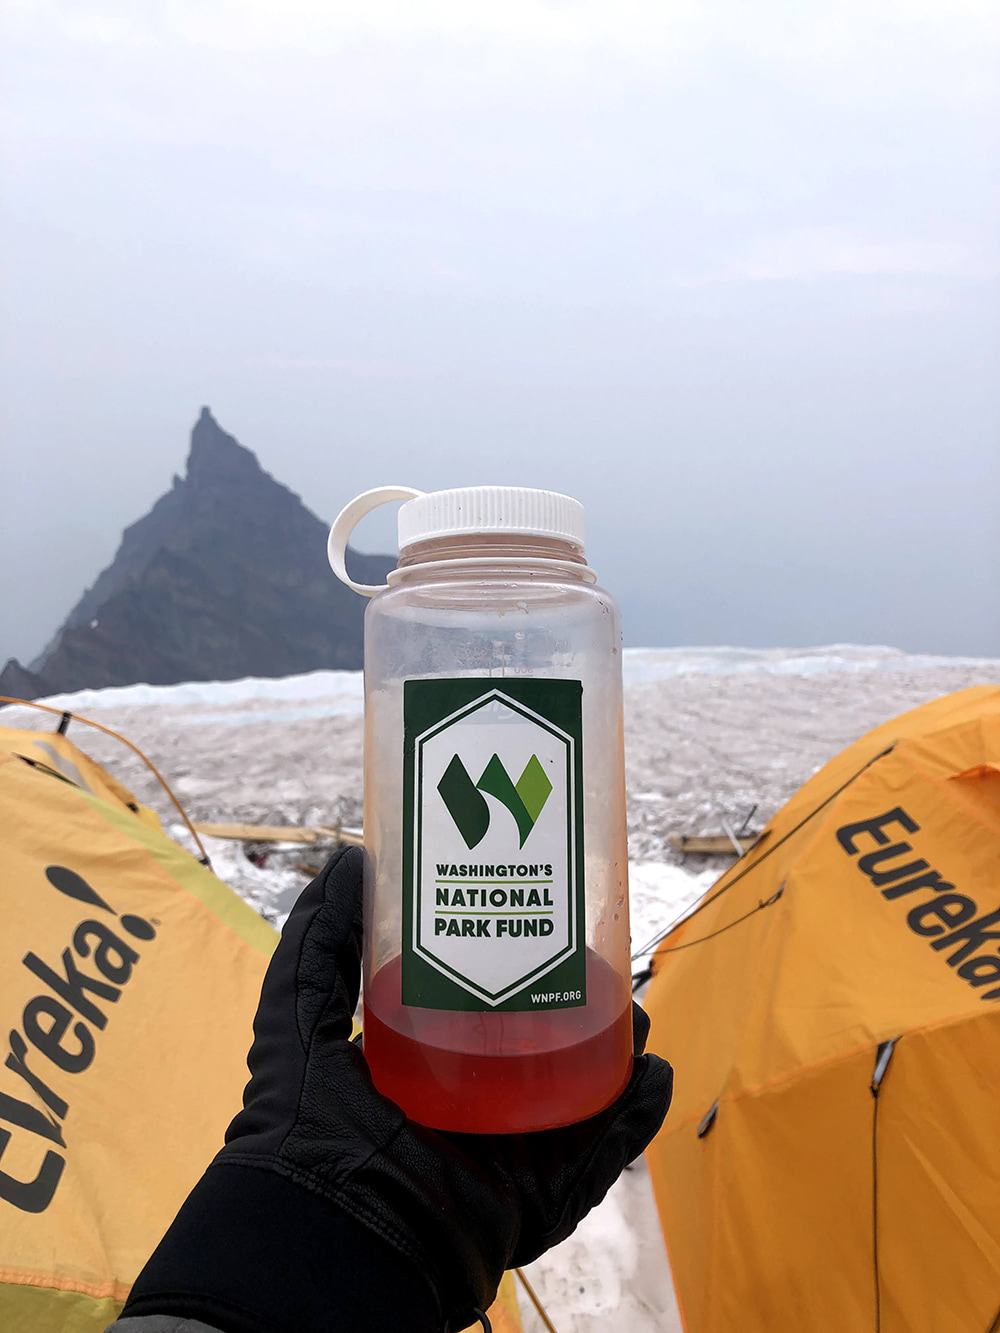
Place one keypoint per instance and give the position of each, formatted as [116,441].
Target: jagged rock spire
[226,576]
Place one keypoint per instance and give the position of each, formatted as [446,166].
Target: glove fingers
[316,965]
[319,953]
[279,980]
[328,972]
[640,1029]
[646,1110]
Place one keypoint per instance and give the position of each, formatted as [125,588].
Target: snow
[333,688]
[640,666]
[659,895]
[612,1273]
[272,888]
[644,665]
[711,734]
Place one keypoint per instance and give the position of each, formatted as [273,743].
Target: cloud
[351,367]
[432,222]
[852,47]
[826,252]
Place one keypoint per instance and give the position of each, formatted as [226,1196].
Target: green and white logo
[525,799]
[502,928]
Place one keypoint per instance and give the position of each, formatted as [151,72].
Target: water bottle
[497,994]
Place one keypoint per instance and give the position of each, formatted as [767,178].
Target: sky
[728,273]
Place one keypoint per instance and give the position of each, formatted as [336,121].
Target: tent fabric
[791,1196]
[129,979]
[53,753]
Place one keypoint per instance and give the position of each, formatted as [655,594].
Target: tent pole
[537,1303]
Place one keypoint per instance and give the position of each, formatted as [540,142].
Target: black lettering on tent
[981,971]
[930,879]
[113,957]
[16,1062]
[75,886]
[870,860]
[71,987]
[30,1118]
[139,927]
[31,1196]
[49,1039]
[975,935]
[874,828]
[950,908]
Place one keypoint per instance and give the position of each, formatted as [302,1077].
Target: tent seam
[108,1290]
[855,1051]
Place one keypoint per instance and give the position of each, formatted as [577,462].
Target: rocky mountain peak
[225,576]
[217,459]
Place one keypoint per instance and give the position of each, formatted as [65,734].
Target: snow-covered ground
[711,734]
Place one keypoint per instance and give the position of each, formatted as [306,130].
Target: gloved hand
[351,1185]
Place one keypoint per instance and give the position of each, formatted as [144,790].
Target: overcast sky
[727,272]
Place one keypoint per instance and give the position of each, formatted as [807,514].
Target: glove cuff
[252,1252]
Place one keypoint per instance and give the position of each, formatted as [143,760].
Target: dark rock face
[17,682]
[226,576]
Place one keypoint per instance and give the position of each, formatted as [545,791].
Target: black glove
[353,1186]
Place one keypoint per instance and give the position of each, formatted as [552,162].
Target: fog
[728,274]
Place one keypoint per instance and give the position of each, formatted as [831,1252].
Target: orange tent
[130,976]
[831,1161]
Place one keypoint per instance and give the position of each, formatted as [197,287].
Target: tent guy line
[772,847]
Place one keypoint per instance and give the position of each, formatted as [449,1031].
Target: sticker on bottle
[493,864]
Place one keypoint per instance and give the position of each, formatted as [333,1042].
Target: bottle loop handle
[348,519]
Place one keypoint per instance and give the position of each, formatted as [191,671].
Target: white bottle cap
[503,510]
[491,509]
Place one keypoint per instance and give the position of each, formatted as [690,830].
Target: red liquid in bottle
[500,1073]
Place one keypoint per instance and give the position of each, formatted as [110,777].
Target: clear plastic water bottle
[497,990]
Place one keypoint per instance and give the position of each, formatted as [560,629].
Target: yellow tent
[831,1161]
[128,984]
[129,977]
